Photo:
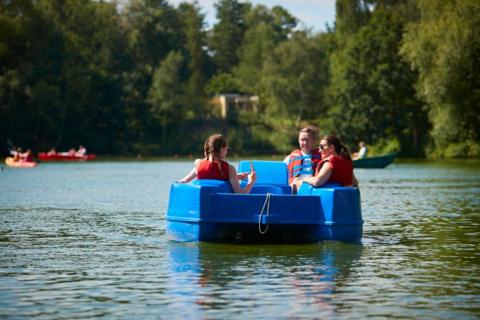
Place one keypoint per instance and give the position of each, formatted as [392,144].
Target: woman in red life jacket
[213,166]
[304,161]
[336,165]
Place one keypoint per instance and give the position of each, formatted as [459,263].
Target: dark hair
[214,144]
[340,149]
[310,132]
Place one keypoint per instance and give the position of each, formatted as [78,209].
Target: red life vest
[295,163]
[342,170]
[213,170]
[28,158]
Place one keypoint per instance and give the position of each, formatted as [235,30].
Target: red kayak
[20,163]
[43,156]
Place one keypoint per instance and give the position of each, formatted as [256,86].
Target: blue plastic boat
[207,210]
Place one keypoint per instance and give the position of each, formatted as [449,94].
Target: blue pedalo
[208,210]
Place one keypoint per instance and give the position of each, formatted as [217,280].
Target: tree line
[401,75]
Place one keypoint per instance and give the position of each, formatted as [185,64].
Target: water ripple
[91,243]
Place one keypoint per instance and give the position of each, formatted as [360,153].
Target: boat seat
[272,176]
[264,189]
[340,204]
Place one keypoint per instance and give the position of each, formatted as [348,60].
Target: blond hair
[310,131]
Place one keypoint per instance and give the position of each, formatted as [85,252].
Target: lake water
[87,240]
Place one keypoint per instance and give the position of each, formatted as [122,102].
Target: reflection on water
[288,280]
[87,240]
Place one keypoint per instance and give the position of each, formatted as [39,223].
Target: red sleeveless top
[342,170]
[213,170]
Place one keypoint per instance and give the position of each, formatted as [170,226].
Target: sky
[311,13]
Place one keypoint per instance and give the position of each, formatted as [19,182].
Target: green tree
[351,15]
[266,28]
[153,30]
[89,84]
[372,89]
[228,33]
[165,95]
[444,46]
[222,83]
[196,58]
[30,67]
[295,77]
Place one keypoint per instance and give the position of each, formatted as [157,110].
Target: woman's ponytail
[340,149]
[213,145]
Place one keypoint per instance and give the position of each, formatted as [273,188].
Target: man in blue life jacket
[303,162]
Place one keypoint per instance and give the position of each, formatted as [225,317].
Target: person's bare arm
[241,176]
[232,173]
[322,176]
[354,180]
[192,174]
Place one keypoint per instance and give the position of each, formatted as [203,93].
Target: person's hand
[298,182]
[182,181]
[294,181]
[242,175]
[252,177]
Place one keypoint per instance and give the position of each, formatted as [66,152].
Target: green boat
[375,162]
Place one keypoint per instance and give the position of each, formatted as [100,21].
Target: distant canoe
[375,162]
[19,164]
[43,156]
